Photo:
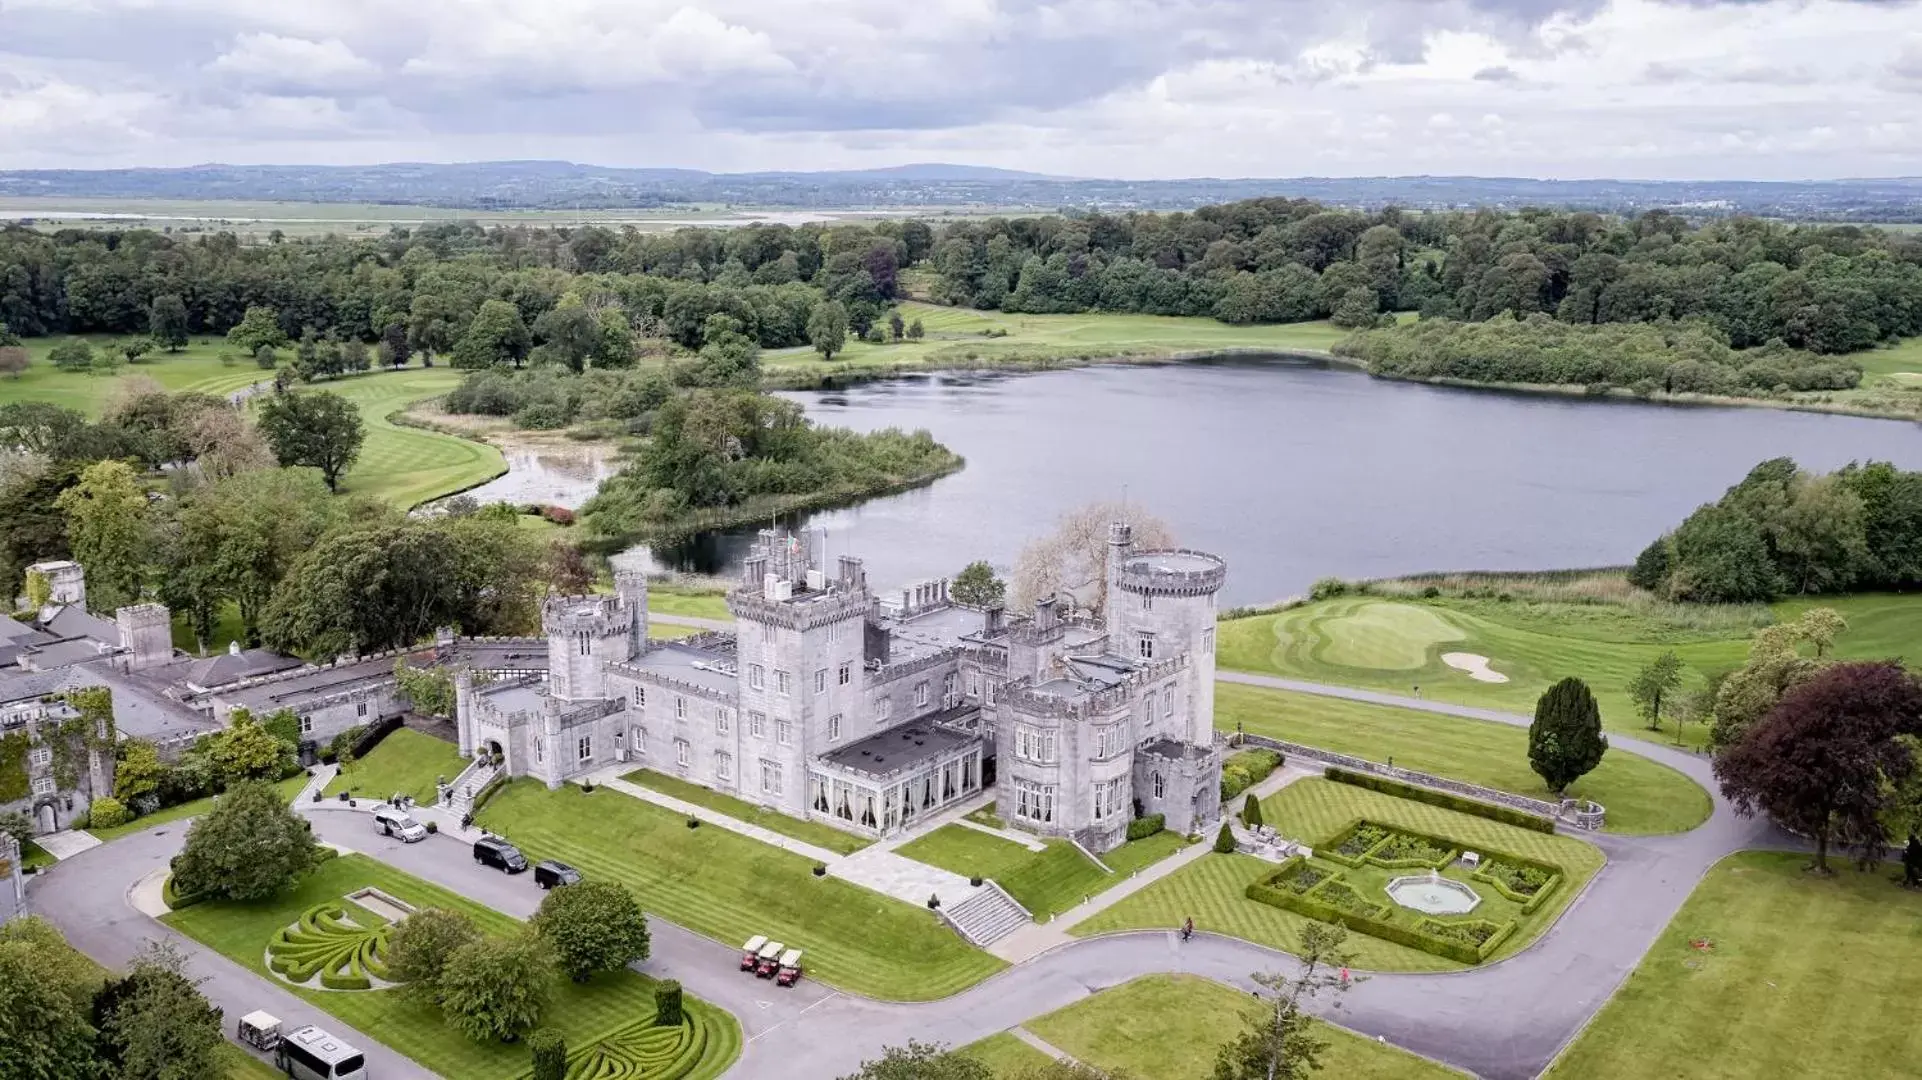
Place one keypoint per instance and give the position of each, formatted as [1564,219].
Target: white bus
[313,1054]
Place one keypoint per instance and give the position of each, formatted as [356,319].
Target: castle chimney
[991,620]
[1045,616]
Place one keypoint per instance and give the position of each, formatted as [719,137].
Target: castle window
[781,682]
[1147,602]
[640,697]
[821,681]
[921,693]
[639,736]
[360,708]
[883,707]
[1168,701]
[1033,802]
[783,732]
[1033,745]
[770,778]
[1145,646]
[40,757]
[1104,741]
[585,749]
[724,766]
[721,724]
[1160,786]
[43,785]
[834,727]
[1107,794]
[756,680]
[306,725]
[683,754]
[680,707]
[757,725]
[847,674]
[947,688]
[586,647]
[1208,642]
[540,750]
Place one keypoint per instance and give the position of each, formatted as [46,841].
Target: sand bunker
[1474,664]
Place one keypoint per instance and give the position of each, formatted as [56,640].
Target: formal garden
[1362,841]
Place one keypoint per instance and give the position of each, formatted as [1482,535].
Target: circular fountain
[1433,894]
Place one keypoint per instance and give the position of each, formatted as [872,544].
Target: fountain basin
[1432,894]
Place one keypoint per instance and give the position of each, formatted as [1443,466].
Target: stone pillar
[464,711]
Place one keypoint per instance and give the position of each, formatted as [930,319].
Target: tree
[921,1061]
[167,322]
[109,528]
[258,329]
[314,428]
[915,331]
[248,847]
[155,1024]
[1283,1044]
[138,771]
[13,361]
[1822,762]
[614,347]
[977,586]
[45,997]
[72,355]
[896,327]
[429,689]
[1775,665]
[1566,741]
[1358,308]
[1251,811]
[828,328]
[1074,557]
[17,824]
[136,348]
[549,1050]
[394,347]
[1225,840]
[1651,567]
[1655,682]
[593,926]
[496,336]
[569,332]
[419,948]
[496,988]
[246,750]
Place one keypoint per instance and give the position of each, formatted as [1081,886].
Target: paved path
[1503,1020]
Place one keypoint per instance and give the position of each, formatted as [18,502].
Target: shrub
[559,515]
[549,1049]
[593,926]
[821,870]
[1445,799]
[1251,811]
[667,1004]
[433,826]
[107,812]
[1225,840]
[1245,769]
[1143,827]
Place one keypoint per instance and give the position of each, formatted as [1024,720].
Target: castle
[832,702]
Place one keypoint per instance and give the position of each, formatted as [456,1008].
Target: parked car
[313,1054]
[751,952]
[550,872]
[768,960]
[393,821]
[499,854]
[790,972]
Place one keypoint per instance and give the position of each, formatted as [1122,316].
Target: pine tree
[1566,739]
[1251,812]
[1225,840]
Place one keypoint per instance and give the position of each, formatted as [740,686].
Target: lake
[1294,470]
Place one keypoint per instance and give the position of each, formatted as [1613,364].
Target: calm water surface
[1294,471]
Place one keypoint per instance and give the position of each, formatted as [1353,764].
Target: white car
[395,822]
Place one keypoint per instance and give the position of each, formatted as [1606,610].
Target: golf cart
[259,1030]
[769,960]
[790,972]
[751,952]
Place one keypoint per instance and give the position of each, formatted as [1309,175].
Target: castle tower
[1121,544]
[584,634]
[1161,604]
[66,581]
[631,587]
[146,632]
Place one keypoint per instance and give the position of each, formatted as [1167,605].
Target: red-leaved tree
[1816,763]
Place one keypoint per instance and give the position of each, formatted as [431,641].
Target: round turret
[1179,572]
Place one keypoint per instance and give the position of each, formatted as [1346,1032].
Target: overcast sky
[1769,89]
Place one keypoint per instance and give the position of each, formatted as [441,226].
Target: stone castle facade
[833,702]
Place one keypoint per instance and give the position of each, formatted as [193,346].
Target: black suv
[499,854]
[549,873]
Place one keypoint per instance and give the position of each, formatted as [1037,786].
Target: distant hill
[497,185]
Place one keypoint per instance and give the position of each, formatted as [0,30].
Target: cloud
[1088,87]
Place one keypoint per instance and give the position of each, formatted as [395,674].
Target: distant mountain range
[498,185]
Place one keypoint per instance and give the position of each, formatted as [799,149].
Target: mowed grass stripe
[729,887]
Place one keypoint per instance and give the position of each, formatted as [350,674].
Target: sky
[1655,89]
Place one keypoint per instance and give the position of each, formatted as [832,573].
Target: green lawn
[1641,796]
[403,465]
[35,857]
[1396,645]
[244,1066]
[1045,882]
[406,762]
[657,631]
[810,832]
[731,888]
[1004,1054]
[197,367]
[957,337]
[583,1013]
[1903,357]
[1168,1027]
[1804,977]
[1210,889]
[288,788]
[700,603]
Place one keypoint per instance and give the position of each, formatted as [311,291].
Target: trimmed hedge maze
[1366,855]
[348,952]
[647,1051]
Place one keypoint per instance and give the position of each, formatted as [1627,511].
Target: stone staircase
[460,795]
[986,915]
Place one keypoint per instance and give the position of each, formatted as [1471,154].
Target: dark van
[549,874]
[499,854]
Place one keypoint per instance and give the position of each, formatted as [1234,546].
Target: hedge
[1507,815]
[1262,892]
[1245,769]
[1529,903]
[500,781]
[107,812]
[176,901]
[1143,827]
